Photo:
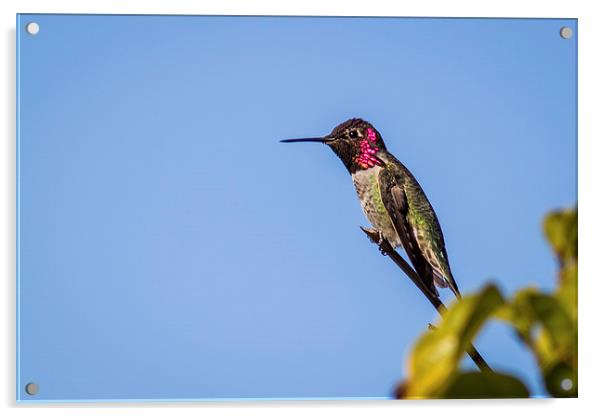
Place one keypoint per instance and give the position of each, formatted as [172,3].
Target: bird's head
[355,141]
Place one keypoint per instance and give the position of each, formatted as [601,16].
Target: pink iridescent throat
[368,148]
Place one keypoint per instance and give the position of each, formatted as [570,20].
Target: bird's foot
[376,237]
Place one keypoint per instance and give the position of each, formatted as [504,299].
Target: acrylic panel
[171,248]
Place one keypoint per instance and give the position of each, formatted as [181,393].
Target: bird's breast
[367,186]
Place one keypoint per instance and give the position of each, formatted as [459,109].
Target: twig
[389,251]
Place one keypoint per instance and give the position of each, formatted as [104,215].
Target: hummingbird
[392,200]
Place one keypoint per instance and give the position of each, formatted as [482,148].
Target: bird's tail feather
[445,281]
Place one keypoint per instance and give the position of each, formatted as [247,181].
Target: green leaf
[567,291]
[560,228]
[436,355]
[555,320]
[519,313]
[545,325]
[488,385]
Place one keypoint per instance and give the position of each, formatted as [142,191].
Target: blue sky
[171,248]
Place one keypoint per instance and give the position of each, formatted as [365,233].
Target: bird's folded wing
[397,207]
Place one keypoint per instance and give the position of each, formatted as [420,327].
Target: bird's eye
[353,134]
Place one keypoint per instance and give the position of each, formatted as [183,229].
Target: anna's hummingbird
[392,200]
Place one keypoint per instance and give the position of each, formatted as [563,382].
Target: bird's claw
[376,237]
[380,242]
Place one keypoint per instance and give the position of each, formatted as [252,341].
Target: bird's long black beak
[309,139]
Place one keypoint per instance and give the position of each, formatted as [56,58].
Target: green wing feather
[418,226]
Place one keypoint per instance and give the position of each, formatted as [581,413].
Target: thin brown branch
[386,249]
